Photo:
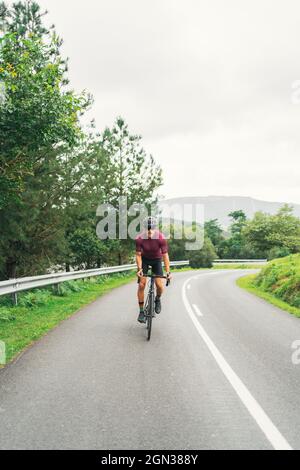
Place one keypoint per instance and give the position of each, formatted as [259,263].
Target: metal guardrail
[13,286]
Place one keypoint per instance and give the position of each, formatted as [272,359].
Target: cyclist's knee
[142,284]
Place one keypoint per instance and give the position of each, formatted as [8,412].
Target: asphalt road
[217,374]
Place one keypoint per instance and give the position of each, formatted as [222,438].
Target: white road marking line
[189,286]
[196,308]
[258,414]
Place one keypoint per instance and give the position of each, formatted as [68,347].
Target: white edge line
[258,414]
[196,308]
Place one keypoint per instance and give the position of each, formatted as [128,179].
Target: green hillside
[278,283]
[281,278]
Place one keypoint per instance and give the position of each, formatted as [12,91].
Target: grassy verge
[248,283]
[238,266]
[41,310]
[219,266]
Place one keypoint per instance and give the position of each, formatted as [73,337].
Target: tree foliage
[203,258]
[53,173]
[273,235]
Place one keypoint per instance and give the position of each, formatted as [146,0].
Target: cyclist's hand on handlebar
[139,273]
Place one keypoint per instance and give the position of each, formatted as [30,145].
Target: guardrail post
[56,289]
[14,297]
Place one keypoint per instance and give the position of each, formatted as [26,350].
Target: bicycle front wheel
[150,317]
[149,326]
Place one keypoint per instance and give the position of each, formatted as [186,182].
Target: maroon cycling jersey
[151,248]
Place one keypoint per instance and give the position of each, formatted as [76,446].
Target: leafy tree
[130,171]
[238,221]
[88,251]
[52,175]
[214,232]
[278,252]
[126,171]
[270,233]
[177,246]
[23,19]
[203,258]
[234,246]
[177,251]
[39,125]
[38,113]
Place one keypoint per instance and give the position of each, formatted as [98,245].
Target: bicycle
[150,307]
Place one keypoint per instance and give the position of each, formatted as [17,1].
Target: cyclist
[151,248]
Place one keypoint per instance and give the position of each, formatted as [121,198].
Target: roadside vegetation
[220,266]
[265,236]
[40,310]
[278,283]
[55,172]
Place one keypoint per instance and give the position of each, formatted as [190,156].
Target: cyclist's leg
[142,282]
[159,287]
[141,291]
[158,271]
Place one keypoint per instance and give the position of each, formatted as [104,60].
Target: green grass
[40,311]
[278,283]
[238,266]
[219,266]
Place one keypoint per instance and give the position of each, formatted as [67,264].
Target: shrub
[5,316]
[278,252]
[73,286]
[203,258]
[281,277]
[34,298]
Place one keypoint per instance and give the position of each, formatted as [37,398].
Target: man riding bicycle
[151,248]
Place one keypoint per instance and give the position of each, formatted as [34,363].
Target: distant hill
[218,207]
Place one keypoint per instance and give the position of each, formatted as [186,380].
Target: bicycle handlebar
[155,276]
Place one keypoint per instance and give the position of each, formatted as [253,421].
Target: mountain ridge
[218,207]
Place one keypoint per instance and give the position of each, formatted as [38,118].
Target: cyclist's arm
[165,255]
[166,262]
[138,258]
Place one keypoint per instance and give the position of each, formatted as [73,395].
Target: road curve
[217,374]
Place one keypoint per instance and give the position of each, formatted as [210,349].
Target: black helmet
[150,223]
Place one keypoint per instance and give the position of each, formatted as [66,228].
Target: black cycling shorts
[156,265]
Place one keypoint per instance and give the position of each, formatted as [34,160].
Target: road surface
[217,374]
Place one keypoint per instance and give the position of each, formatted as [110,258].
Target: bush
[281,277]
[34,298]
[278,252]
[72,286]
[203,258]
[5,316]
[62,290]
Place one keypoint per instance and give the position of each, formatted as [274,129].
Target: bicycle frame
[149,306]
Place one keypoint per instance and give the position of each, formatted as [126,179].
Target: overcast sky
[208,84]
